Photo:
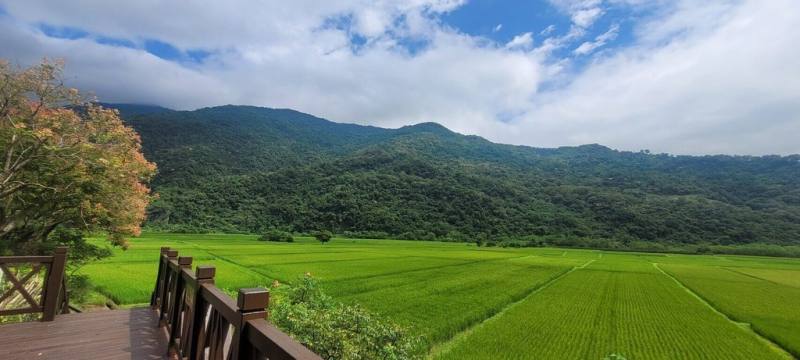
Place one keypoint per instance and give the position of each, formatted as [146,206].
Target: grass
[771,307]
[471,302]
[612,306]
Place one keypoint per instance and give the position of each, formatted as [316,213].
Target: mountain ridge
[248,169]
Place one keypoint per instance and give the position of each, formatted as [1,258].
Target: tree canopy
[249,169]
[67,163]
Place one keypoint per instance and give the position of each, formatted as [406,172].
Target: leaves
[67,163]
[337,331]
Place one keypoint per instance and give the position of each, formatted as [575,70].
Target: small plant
[277,236]
[614,357]
[323,236]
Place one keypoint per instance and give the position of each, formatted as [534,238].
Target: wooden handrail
[51,293]
[26,259]
[205,323]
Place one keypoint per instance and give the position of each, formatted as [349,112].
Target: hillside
[248,169]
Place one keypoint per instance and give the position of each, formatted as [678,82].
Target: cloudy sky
[677,76]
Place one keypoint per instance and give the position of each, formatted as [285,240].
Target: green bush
[323,236]
[334,330]
[277,236]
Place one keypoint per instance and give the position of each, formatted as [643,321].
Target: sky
[677,76]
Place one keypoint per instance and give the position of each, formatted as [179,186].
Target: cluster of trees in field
[248,169]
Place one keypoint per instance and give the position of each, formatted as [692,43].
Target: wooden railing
[25,291]
[205,323]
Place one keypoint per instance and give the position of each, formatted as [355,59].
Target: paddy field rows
[478,303]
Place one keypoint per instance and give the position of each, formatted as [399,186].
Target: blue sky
[493,20]
[677,76]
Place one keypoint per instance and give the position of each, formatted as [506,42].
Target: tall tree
[66,163]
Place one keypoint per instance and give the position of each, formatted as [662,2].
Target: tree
[66,163]
[323,236]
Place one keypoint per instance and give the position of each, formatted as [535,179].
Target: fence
[24,289]
[205,323]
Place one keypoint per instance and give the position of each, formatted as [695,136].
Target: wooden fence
[25,291]
[205,323]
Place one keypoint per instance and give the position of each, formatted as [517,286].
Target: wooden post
[252,304]
[205,275]
[166,293]
[154,298]
[55,278]
[63,303]
[176,306]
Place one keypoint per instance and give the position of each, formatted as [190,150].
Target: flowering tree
[66,163]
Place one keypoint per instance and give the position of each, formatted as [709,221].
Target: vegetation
[248,169]
[64,169]
[277,236]
[337,331]
[465,300]
[615,305]
[323,236]
[762,295]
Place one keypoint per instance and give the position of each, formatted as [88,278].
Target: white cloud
[729,87]
[586,17]
[582,12]
[497,28]
[283,56]
[719,76]
[521,41]
[599,41]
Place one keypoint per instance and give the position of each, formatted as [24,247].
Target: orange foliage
[66,167]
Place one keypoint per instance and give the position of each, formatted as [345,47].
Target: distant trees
[323,236]
[65,164]
[277,236]
[244,169]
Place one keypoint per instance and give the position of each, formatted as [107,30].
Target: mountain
[249,169]
[131,110]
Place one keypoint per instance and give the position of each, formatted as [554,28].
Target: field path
[444,346]
[742,325]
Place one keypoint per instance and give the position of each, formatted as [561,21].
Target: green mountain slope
[241,168]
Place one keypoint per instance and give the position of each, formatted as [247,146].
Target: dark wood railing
[205,323]
[25,292]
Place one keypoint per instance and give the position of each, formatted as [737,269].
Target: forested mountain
[249,169]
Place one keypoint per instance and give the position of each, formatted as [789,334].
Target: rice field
[771,307]
[542,303]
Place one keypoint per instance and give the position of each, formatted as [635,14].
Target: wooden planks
[118,334]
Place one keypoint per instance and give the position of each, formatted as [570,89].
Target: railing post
[169,277]
[176,304]
[252,304]
[205,275]
[54,280]
[157,290]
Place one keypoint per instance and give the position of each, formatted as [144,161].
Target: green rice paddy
[496,303]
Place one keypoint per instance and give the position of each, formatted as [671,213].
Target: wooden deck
[115,334]
[188,314]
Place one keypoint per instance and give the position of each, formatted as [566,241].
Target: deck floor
[116,334]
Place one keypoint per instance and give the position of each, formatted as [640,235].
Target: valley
[471,303]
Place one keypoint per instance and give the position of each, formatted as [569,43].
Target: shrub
[277,236]
[323,236]
[334,330]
